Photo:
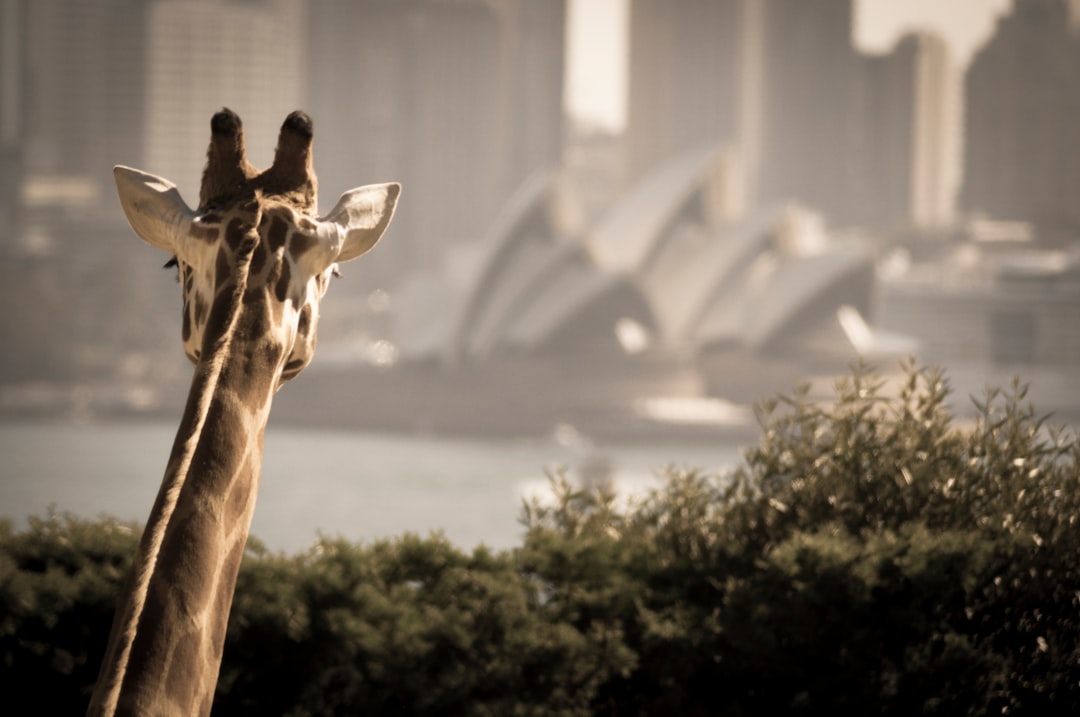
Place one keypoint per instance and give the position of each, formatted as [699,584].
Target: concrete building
[935,139]
[779,83]
[1022,118]
[1000,310]
[203,55]
[12,103]
[810,81]
[687,77]
[72,90]
[460,101]
[909,149]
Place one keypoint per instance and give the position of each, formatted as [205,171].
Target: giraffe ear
[153,207]
[361,216]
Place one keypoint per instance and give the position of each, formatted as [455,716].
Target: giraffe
[254,262]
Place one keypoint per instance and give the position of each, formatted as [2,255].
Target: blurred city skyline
[797,182]
[597,44]
[509,82]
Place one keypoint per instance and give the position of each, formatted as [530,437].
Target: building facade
[203,55]
[687,76]
[807,118]
[1022,118]
[458,100]
[72,97]
[909,144]
[810,86]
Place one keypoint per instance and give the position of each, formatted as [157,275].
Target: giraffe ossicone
[254,263]
[298,251]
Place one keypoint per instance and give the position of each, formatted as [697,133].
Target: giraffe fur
[254,263]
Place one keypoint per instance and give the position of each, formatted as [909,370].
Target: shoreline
[513,399]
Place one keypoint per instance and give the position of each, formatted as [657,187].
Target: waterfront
[360,485]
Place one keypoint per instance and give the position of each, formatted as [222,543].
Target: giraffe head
[254,260]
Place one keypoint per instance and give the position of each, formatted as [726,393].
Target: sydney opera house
[661,272]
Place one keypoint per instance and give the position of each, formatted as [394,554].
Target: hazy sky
[596,82]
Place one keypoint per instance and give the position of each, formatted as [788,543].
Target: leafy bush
[870,555]
[409,626]
[58,585]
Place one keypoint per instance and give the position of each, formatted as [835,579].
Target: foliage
[409,626]
[870,555]
[58,584]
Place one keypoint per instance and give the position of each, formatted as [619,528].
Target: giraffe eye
[337,272]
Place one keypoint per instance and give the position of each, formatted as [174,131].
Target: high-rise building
[935,139]
[80,69]
[202,55]
[908,147]
[687,75]
[810,83]
[458,99]
[779,81]
[12,105]
[1022,118]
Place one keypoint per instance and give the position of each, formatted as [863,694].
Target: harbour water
[359,485]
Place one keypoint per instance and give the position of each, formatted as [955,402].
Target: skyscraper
[202,55]
[935,137]
[781,83]
[12,102]
[79,109]
[1022,118]
[908,144]
[687,77]
[810,83]
[459,100]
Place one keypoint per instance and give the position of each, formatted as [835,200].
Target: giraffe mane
[254,261]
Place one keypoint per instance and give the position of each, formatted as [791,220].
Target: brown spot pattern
[301,244]
[182,678]
[275,236]
[234,233]
[281,288]
[303,323]
[185,328]
[258,259]
[200,309]
[222,270]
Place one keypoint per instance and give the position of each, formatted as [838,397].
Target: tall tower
[203,55]
[12,101]
[686,78]
[908,146]
[82,110]
[935,136]
[810,76]
[1022,118]
[459,99]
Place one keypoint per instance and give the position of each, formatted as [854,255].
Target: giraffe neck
[165,648]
